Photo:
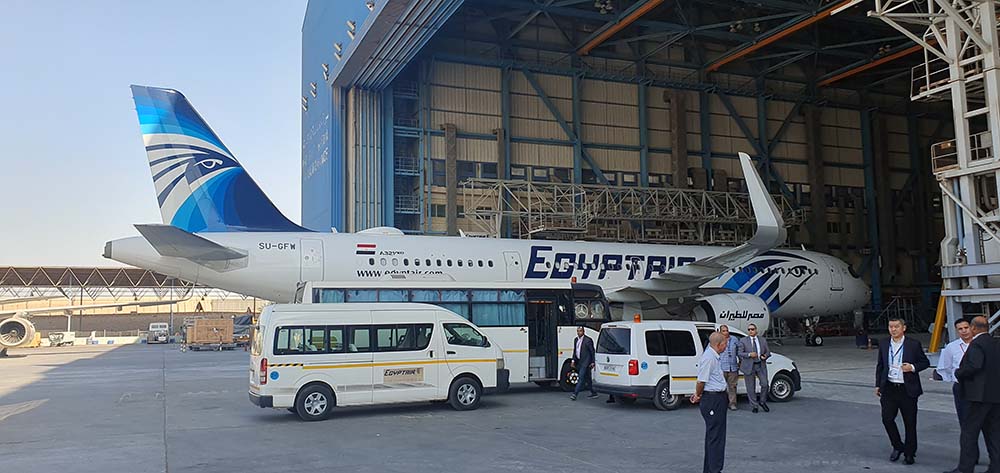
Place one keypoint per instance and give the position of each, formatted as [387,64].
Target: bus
[534,322]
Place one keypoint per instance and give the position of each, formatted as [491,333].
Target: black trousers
[714,406]
[961,405]
[980,417]
[895,401]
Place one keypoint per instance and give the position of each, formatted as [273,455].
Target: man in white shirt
[712,385]
[951,358]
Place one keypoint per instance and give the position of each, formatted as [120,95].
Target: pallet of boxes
[205,333]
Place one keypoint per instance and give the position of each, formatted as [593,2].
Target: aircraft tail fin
[200,186]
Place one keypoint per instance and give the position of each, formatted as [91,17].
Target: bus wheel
[314,402]
[662,398]
[465,394]
[568,379]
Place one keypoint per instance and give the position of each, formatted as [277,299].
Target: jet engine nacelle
[16,331]
[735,310]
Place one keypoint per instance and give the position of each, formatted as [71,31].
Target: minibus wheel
[662,398]
[314,402]
[465,394]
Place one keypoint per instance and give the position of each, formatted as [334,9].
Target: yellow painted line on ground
[395,363]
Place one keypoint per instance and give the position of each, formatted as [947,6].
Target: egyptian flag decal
[366,249]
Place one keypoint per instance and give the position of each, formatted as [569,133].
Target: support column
[871,206]
[502,165]
[705,115]
[678,137]
[643,91]
[842,222]
[503,169]
[451,176]
[578,142]
[816,175]
[883,192]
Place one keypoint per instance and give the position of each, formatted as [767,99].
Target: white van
[309,358]
[159,332]
[658,360]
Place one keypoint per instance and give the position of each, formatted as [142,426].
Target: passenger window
[315,338]
[679,343]
[654,343]
[422,336]
[336,339]
[360,340]
[703,334]
[289,340]
[489,263]
[465,335]
[460,263]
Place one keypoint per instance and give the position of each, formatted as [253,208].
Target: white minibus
[310,358]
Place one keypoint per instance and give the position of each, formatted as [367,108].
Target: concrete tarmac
[152,408]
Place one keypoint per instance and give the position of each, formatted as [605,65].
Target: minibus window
[336,339]
[614,341]
[679,343]
[315,339]
[422,336]
[461,334]
[360,339]
[288,340]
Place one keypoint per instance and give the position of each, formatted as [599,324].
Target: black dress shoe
[895,455]
[908,461]
[755,410]
[766,409]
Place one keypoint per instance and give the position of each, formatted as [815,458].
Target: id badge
[895,372]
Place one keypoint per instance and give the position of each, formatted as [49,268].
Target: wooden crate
[208,331]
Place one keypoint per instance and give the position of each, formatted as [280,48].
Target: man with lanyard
[898,385]
[951,358]
[712,385]
[730,365]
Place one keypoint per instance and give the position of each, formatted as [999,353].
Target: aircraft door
[512,259]
[836,277]
[311,260]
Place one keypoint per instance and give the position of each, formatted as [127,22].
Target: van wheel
[314,402]
[662,398]
[782,388]
[568,379]
[465,394]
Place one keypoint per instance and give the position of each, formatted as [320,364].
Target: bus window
[362,295]
[315,338]
[328,295]
[485,296]
[360,339]
[498,315]
[289,340]
[393,295]
[461,334]
[426,295]
[336,339]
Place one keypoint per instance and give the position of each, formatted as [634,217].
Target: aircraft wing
[44,310]
[683,280]
[169,240]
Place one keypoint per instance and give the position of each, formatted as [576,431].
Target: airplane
[220,229]
[18,330]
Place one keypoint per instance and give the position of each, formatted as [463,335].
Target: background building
[614,119]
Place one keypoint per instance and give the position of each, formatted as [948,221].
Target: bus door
[543,346]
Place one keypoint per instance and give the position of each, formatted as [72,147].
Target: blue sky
[74,172]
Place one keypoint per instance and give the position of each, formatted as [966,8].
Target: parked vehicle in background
[208,334]
[658,360]
[60,339]
[159,332]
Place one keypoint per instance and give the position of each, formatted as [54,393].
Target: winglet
[770,225]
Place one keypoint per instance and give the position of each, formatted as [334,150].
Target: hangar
[620,120]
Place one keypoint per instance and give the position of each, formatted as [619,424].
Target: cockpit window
[854,273]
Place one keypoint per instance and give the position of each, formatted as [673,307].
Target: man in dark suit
[898,385]
[753,353]
[979,383]
[583,362]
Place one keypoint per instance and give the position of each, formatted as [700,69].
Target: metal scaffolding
[594,212]
[960,41]
[89,283]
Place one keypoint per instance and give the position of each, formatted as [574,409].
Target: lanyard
[963,347]
[892,355]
